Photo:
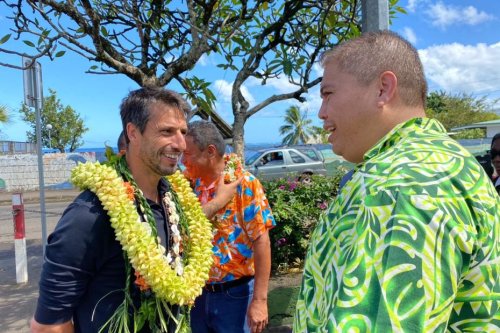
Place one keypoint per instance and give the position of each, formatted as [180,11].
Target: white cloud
[281,84]
[223,89]
[312,104]
[412,5]
[443,15]
[203,61]
[456,68]
[410,35]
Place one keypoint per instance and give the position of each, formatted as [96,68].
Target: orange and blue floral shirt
[239,224]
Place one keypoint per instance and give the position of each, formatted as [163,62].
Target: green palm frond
[296,128]
[4,114]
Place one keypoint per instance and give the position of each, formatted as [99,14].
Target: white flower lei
[174,255]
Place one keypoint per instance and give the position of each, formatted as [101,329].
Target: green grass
[281,302]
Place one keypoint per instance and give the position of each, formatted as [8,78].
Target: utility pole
[33,97]
[375,15]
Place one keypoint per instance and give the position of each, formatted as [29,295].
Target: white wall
[20,172]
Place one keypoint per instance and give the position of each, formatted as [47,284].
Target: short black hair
[495,138]
[135,108]
[121,143]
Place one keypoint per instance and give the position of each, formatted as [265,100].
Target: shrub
[296,208]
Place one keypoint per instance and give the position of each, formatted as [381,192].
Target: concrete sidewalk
[18,301]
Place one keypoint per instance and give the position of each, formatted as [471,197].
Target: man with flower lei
[133,250]
[235,297]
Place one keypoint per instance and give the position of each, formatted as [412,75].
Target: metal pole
[375,15]
[41,180]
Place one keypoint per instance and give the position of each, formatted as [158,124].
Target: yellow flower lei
[145,255]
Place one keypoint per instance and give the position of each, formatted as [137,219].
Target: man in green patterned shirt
[412,241]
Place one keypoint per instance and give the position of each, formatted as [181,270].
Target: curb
[33,197]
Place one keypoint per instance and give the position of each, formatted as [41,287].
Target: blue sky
[459,43]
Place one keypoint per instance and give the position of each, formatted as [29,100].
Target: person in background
[235,297]
[495,160]
[84,278]
[411,243]
[121,142]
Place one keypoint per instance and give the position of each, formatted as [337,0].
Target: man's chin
[167,171]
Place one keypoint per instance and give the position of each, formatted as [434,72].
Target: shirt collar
[401,131]
[163,186]
[201,185]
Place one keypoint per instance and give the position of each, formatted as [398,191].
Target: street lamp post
[49,128]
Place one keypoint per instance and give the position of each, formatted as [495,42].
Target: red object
[18,214]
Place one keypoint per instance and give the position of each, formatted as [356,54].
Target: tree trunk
[239,133]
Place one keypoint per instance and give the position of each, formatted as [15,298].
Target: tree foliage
[4,115]
[296,208]
[296,128]
[320,134]
[67,126]
[158,42]
[458,110]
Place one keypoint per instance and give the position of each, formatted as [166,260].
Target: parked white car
[278,162]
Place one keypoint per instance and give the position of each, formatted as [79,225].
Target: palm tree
[320,134]
[296,128]
[4,119]
[3,114]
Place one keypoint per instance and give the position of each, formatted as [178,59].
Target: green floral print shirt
[410,244]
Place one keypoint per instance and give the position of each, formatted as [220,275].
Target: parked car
[278,162]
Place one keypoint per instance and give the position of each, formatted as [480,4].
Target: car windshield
[252,158]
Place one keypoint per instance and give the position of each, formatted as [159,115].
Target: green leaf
[29,43]
[94,67]
[287,67]
[5,39]
[40,40]
[104,32]
[60,54]
[240,41]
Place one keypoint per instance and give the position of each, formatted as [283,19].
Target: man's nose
[180,141]
[322,111]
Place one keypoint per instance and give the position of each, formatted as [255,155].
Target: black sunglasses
[494,153]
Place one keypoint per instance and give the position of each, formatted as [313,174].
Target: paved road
[32,216]
[18,301]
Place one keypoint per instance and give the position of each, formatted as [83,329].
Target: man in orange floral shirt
[235,297]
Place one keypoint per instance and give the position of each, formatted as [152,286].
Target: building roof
[225,129]
[482,124]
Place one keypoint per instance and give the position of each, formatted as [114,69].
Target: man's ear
[212,151]
[387,87]
[132,132]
